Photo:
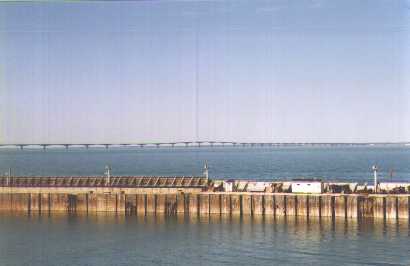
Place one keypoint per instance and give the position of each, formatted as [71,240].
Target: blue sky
[274,71]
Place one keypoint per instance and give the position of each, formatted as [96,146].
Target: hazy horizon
[165,71]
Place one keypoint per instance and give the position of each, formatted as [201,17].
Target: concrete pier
[192,196]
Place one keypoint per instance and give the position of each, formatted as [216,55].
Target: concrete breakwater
[205,203]
[187,195]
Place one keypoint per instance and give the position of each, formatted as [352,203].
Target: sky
[160,71]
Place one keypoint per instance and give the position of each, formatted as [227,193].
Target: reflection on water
[60,239]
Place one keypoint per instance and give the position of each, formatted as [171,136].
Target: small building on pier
[307,186]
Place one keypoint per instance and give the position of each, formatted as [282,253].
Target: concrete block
[246,204]
[291,205]
[171,204]
[365,205]
[45,202]
[303,205]
[81,203]
[111,205]
[204,204]
[379,207]
[19,202]
[120,204]
[391,207]
[215,203]
[193,204]
[235,204]
[181,208]
[101,202]
[35,202]
[352,206]
[150,206]
[340,206]
[280,205]
[315,205]
[161,203]
[269,205]
[327,203]
[225,204]
[130,203]
[257,204]
[141,204]
[5,201]
[403,207]
[92,203]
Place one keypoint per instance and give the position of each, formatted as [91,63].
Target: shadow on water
[107,239]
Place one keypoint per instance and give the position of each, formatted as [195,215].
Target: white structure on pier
[307,186]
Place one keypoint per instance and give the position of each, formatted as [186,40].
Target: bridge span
[188,144]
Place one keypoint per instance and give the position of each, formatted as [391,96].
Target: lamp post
[8,176]
[375,169]
[206,173]
[108,175]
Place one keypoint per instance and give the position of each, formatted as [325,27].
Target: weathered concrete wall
[391,207]
[403,207]
[215,204]
[246,204]
[59,202]
[280,205]
[269,205]
[258,204]
[292,204]
[19,202]
[130,204]
[35,202]
[225,204]
[327,206]
[340,206]
[150,203]
[315,204]
[141,201]
[379,207]
[203,204]
[193,204]
[236,204]
[303,205]
[171,204]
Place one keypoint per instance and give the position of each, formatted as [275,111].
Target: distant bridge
[44,146]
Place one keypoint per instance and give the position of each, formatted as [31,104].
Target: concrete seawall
[170,202]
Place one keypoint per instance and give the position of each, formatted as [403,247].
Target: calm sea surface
[349,163]
[59,239]
[118,240]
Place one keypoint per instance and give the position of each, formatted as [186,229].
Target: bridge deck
[122,181]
